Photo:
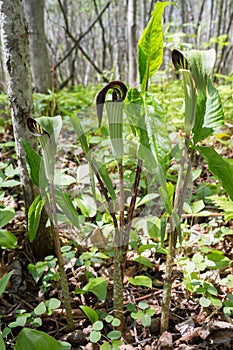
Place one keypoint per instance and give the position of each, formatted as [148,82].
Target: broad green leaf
[7,239]
[34,215]
[37,270]
[31,339]
[134,107]
[219,167]
[146,320]
[190,93]
[209,116]
[2,344]
[4,281]
[150,46]
[95,336]
[105,346]
[203,301]
[114,335]
[87,205]
[65,345]
[143,305]
[20,322]
[97,286]
[53,303]
[102,170]
[156,126]
[65,203]
[6,214]
[10,183]
[40,309]
[219,259]
[198,206]
[36,166]
[143,261]
[11,172]
[215,301]
[97,326]
[147,198]
[144,281]
[116,322]
[80,132]
[90,313]
[62,179]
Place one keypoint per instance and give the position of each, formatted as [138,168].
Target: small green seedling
[44,271]
[142,313]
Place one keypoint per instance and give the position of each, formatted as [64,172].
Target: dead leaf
[185,327]
[165,341]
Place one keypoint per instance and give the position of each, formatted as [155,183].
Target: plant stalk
[178,206]
[64,282]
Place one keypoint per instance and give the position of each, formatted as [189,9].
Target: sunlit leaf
[34,215]
[90,313]
[144,281]
[6,214]
[4,281]
[219,167]
[150,46]
[31,339]
[97,286]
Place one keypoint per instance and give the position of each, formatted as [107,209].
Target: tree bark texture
[16,54]
[132,44]
[15,46]
[41,70]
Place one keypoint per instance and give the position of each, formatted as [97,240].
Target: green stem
[64,282]
[118,273]
[167,287]
[178,206]
[121,201]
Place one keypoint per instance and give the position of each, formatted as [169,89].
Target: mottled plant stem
[118,273]
[63,278]
[178,206]
[167,287]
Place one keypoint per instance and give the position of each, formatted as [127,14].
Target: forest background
[75,48]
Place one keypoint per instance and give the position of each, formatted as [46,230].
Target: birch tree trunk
[41,70]
[132,45]
[15,50]
[15,47]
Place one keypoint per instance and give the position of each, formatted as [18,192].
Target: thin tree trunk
[132,50]
[143,15]
[15,46]
[41,70]
[104,46]
[14,38]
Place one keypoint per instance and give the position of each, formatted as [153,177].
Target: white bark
[132,45]
[41,70]
[15,50]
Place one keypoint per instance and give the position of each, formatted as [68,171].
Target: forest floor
[191,325]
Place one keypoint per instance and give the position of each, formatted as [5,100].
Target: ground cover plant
[119,211]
